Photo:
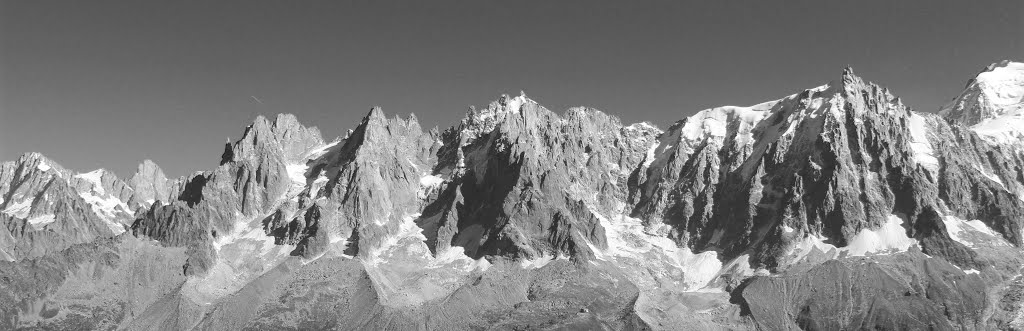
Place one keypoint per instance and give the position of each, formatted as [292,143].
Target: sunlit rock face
[837,207]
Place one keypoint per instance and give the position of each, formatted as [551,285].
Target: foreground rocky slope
[834,208]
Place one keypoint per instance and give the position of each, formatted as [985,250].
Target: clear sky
[109,83]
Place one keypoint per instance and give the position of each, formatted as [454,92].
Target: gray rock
[513,219]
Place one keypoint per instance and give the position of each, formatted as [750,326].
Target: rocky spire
[542,219]
[150,184]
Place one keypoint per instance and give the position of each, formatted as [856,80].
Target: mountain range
[837,207]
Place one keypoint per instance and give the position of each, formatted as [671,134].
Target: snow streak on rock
[521,218]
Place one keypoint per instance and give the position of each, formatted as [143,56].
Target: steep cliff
[835,207]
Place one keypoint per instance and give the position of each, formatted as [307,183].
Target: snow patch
[963,231]
[812,243]
[251,234]
[297,174]
[1003,130]
[428,184]
[39,222]
[713,123]
[403,271]
[923,153]
[407,228]
[96,178]
[19,209]
[431,181]
[456,254]
[108,209]
[318,183]
[243,254]
[537,262]
[517,103]
[629,240]
[319,151]
[740,266]
[822,88]
[650,154]
[889,238]
[43,166]
[990,176]
[699,268]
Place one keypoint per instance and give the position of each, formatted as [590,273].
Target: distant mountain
[992,103]
[837,207]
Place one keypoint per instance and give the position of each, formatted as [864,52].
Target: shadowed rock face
[527,186]
[832,162]
[836,207]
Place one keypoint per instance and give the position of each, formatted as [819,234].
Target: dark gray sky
[109,83]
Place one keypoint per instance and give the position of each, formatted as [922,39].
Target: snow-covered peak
[1003,88]
[713,122]
[993,103]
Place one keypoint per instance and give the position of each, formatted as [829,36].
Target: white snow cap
[998,94]
[1003,87]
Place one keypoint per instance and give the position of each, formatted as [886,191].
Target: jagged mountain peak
[786,114]
[504,104]
[284,135]
[511,103]
[376,128]
[150,184]
[34,161]
[375,114]
[479,122]
[849,76]
[518,209]
[828,99]
[49,208]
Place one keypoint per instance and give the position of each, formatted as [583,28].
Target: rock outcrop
[150,184]
[835,207]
